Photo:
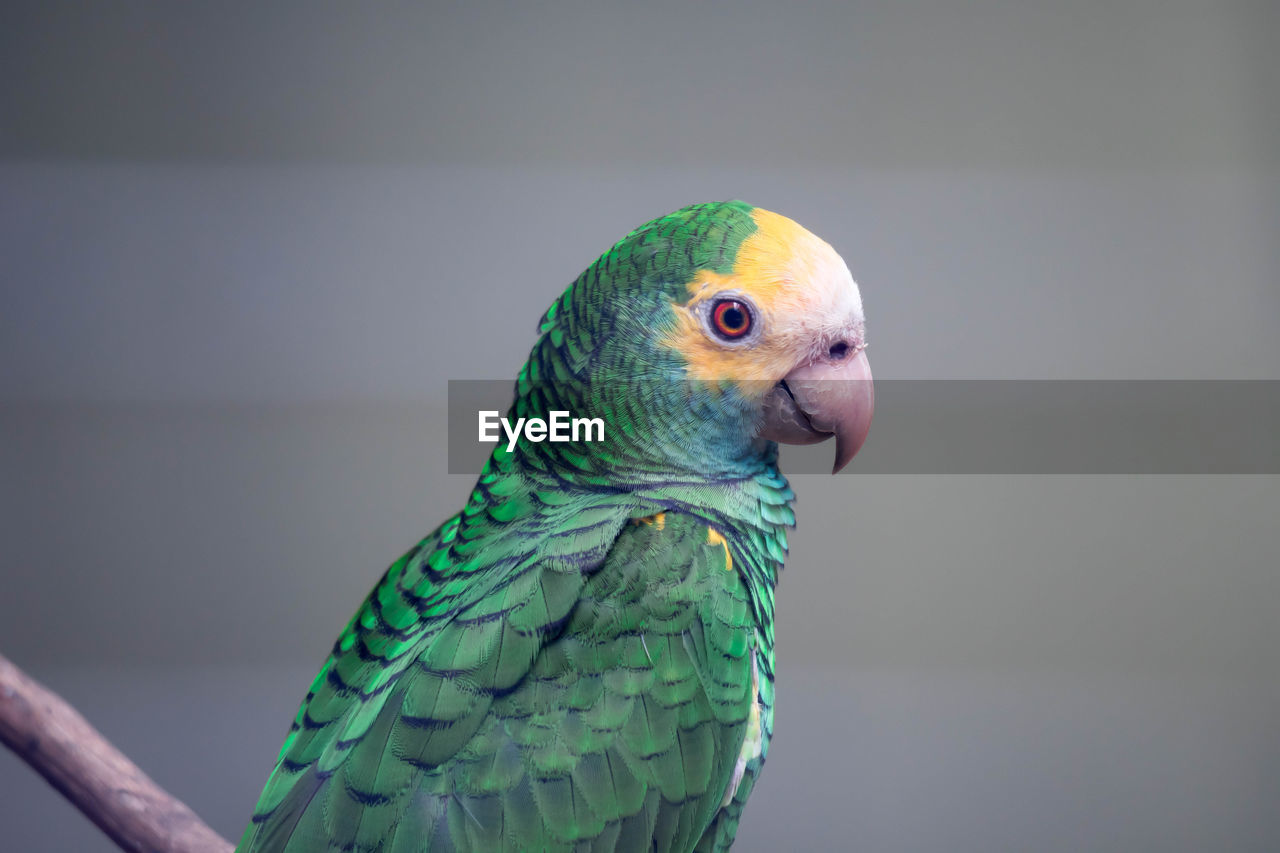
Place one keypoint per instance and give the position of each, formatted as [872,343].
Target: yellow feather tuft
[714,537]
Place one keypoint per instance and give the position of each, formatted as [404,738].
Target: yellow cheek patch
[714,537]
[776,268]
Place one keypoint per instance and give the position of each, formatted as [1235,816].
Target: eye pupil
[731,318]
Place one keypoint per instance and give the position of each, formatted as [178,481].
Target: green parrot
[583,657]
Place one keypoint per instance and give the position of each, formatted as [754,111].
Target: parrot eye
[730,318]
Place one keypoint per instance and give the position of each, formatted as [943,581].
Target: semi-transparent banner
[974,427]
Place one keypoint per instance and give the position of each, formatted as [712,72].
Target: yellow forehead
[793,278]
[781,260]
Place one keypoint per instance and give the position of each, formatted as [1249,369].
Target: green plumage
[576,659]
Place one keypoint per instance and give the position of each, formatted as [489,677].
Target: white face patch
[820,304]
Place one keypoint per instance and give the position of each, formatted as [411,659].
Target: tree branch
[108,788]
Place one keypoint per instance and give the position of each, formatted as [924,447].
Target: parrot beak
[828,397]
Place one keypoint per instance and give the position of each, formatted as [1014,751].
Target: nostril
[838,351]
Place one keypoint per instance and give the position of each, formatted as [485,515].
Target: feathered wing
[587,688]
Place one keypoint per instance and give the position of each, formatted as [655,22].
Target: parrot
[582,658]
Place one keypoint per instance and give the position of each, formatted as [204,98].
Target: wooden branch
[73,757]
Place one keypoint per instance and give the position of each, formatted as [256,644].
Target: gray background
[244,246]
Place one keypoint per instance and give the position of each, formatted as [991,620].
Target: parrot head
[711,332]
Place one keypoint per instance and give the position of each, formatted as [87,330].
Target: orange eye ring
[731,319]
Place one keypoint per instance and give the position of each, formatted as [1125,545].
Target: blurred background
[244,246]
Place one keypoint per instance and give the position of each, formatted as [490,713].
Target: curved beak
[820,400]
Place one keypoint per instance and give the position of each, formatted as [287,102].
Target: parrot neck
[751,513]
